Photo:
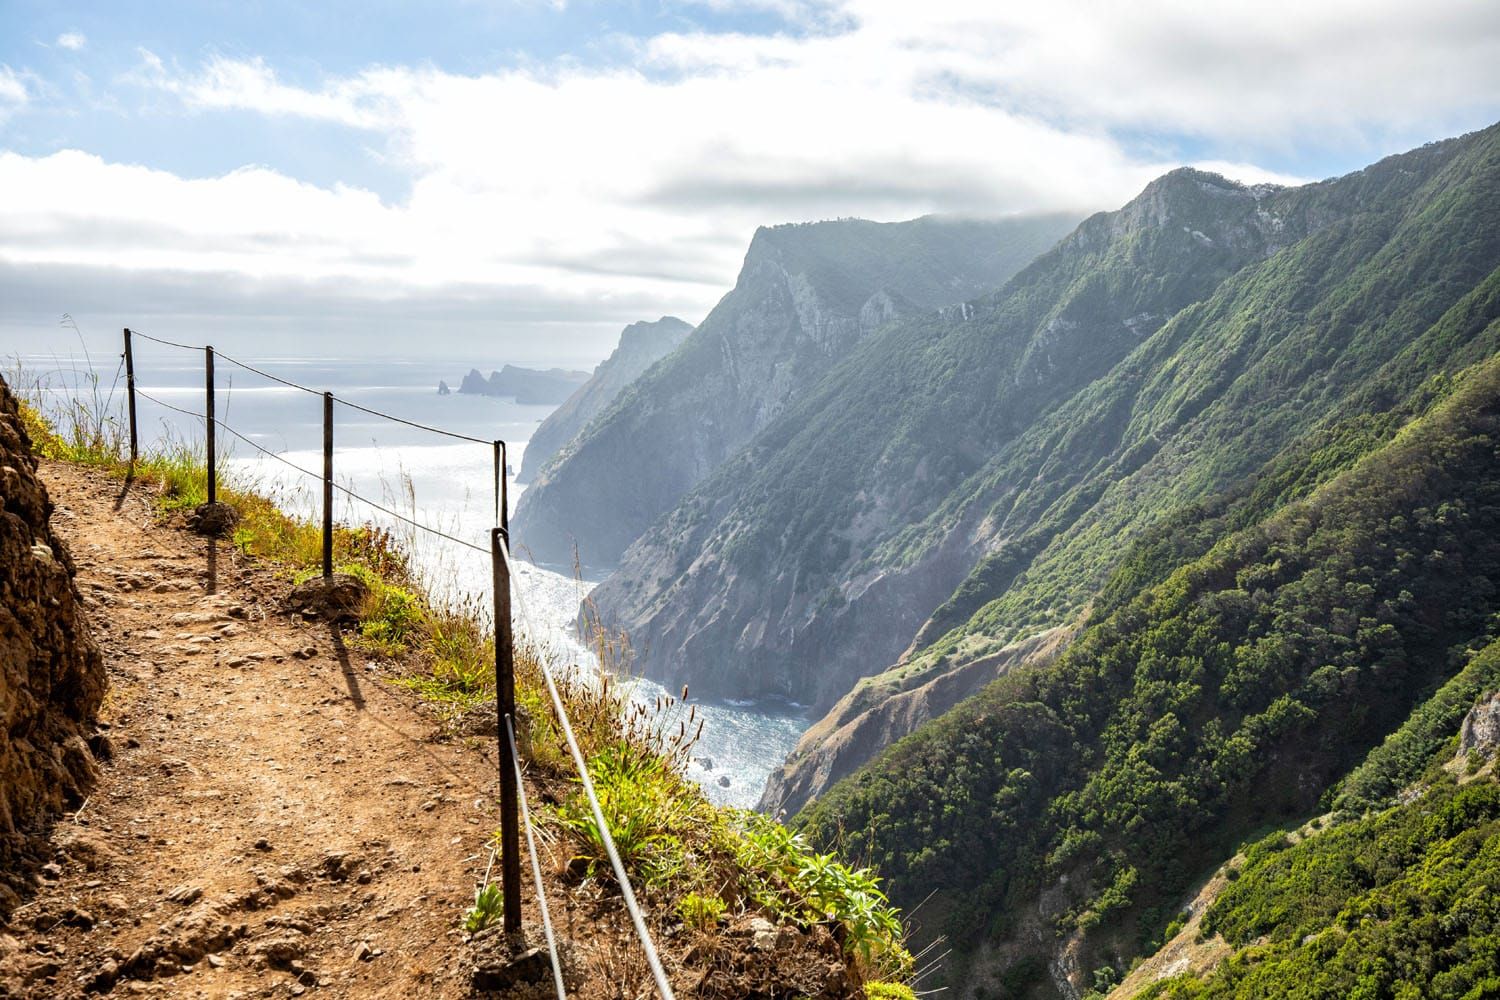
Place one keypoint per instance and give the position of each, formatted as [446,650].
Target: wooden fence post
[213,458]
[505,712]
[130,397]
[327,485]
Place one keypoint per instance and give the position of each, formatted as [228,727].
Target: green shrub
[889,991]
[700,912]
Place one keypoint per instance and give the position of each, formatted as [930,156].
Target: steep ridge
[51,671]
[1063,813]
[806,296]
[1327,332]
[803,564]
[641,345]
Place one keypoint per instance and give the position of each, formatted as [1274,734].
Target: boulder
[213,519]
[332,599]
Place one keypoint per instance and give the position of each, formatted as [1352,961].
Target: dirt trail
[276,819]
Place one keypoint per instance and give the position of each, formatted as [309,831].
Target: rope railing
[418,425]
[507,579]
[536,865]
[608,841]
[351,494]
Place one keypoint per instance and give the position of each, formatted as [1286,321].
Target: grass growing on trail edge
[699,864]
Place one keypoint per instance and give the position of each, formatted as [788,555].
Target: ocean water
[440,482]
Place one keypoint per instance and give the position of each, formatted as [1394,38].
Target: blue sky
[547,172]
[308,42]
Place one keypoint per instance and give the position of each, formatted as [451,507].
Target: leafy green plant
[786,876]
[889,991]
[489,906]
[645,806]
[700,912]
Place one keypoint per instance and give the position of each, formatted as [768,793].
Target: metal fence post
[213,458]
[130,396]
[505,711]
[327,485]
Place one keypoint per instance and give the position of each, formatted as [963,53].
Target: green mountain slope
[754,585]
[1401,901]
[806,296]
[969,479]
[1062,814]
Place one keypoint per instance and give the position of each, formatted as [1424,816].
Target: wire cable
[161,402]
[168,343]
[406,520]
[536,865]
[265,374]
[313,475]
[657,972]
[411,423]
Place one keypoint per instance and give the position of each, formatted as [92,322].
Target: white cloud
[13,92]
[642,180]
[72,41]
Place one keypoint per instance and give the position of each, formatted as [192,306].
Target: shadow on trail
[351,679]
[125,489]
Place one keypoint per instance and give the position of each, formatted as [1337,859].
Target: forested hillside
[1063,813]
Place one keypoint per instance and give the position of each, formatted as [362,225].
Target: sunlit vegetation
[1225,697]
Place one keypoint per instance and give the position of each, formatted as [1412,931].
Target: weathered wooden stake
[327,485]
[213,457]
[130,397]
[505,711]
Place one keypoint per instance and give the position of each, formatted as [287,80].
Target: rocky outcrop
[641,345]
[1480,733]
[881,710]
[806,297]
[51,672]
[528,386]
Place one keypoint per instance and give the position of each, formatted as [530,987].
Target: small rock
[363,952]
[335,599]
[262,844]
[52,870]
[213,519]
[723,781]
[185,894]
[217,961]
[280,952]
[492,972]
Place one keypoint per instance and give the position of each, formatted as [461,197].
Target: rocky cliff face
[805,562]
[641,345]
[806,296]
[881,710]
[51,672]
